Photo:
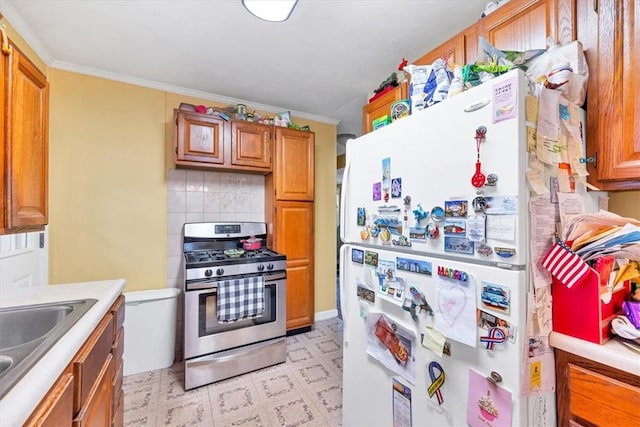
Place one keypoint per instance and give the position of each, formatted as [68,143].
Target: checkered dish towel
[240,299]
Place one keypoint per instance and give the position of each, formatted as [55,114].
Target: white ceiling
[321,64]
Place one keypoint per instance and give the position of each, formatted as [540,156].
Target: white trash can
[149,329]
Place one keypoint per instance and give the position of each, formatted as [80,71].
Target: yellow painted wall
[625,203]
[107,188]
[110,146]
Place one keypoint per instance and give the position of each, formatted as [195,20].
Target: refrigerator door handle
[343,194]
[343,306]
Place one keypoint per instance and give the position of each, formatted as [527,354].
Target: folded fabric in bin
[240,299]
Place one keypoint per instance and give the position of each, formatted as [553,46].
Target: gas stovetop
[205,244]
[216,257]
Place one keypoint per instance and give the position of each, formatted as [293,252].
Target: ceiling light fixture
[270,10]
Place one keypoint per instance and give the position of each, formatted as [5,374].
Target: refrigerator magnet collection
[434,269]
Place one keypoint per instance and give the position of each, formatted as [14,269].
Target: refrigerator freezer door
[432,156]
[367,381]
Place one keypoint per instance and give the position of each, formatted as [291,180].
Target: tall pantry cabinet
[289,215]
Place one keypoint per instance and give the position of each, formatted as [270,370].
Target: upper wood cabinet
[24,149]
[294,168]
[200,138]
[206,141]
[382,106]
[612,44]
[518,25]
[515,25]
[452,51]
[251,144]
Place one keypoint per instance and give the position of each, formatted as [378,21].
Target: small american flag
[565,265]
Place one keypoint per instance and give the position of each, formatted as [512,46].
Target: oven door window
[208,318]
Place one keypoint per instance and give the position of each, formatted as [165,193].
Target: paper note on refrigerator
[487,404]
[455,309]
[433,340]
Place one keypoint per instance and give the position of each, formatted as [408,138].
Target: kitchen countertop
[22,399]
[611,353]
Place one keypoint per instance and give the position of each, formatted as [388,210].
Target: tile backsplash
[197,196]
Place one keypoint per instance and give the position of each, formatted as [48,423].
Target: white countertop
[21,400]
[611,353]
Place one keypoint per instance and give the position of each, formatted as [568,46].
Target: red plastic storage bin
[579,312]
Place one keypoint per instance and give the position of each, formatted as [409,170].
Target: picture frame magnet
[479,204]
[433,232]
[437,214]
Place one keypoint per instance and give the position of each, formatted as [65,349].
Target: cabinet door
[613,134]
[4,73]
[56,408]
[26,143]
[471,35]
[518,25]
[294,237]
[382,106]
[199,138]
[96,411]
[294,174]
[452,51]
[251,145]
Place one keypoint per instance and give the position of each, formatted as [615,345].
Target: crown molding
[25,32]
[66,66]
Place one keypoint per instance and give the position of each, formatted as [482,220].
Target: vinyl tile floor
[306,390]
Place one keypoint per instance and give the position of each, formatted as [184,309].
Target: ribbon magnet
[496,336]
[437,381]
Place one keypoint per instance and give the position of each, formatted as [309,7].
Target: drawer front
[118,349]
[118,413]
[116,383]
[599,399]
[91,360]
[96,410]
[117,309]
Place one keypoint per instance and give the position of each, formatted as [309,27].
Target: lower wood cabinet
[89,390]
[56,409]
[96,409]
[593,394]
[294,236]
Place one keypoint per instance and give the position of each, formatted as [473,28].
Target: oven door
[204,334]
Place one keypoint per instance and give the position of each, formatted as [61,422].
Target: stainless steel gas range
[216,348]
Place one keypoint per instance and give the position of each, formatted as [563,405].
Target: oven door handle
[234,353]
[213,285]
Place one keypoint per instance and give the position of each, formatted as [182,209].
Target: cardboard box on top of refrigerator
[585,311]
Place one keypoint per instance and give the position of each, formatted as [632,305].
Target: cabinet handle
[6,49]
[595,6]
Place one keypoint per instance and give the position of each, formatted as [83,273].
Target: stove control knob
[260,267]
[208,272]
[269,266]
[220,271]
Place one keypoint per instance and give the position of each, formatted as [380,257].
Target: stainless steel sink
[28,332]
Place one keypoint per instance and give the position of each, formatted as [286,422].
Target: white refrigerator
[434,220]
